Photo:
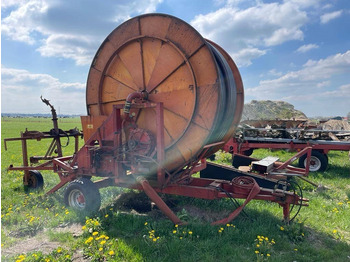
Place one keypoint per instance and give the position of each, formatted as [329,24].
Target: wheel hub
[315,163]
[76,199]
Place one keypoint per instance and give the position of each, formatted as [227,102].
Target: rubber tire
[323,158]
[212,157]
[248,152]
[36,181]
[88,190]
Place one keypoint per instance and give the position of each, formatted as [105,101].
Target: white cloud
[64,29]
[245,56]
[303,86]
[303,3]
[323,84]
[81,49]
[330,16]
[313,73]
[254,28]
[69,97]
[327,6]
[8,3]
[274,72]
[342,92]
[306,48]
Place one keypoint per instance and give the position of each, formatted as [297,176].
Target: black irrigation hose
[233,200]
[67,143]
[294,192]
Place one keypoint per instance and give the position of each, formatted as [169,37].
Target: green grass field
[321,232]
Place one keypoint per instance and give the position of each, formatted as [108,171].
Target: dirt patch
[41,242]
[136,201]
[74,229]
[139,203]
[207,216]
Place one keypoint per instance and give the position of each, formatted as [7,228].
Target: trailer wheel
[318,161]
[35,181]
[212,157]
[83,195]
[248,152]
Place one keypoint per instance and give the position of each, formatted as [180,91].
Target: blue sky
[293,50]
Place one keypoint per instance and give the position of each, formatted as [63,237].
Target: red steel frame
[236,146]
[82,164]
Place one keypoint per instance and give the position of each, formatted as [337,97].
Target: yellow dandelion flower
[268,255]
[59,250]
[282,228]
[95,233]
[228,225]
[103,242]
[174,231]
[257,245]
[146,223]
[106,238]
[335,231]
[295,249]
[266,238]
[111,253]
[97,223]
[257,252]
[100,249]
[180,237]
[83,227]
[89,240]
[176,225]
[190,232]
[154,239]
[67,212]
[106,215]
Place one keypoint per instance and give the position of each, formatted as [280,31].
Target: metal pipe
[129,99]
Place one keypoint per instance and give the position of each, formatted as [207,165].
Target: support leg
[152,194]
[286,213]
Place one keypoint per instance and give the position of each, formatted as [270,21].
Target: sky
[296,51]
